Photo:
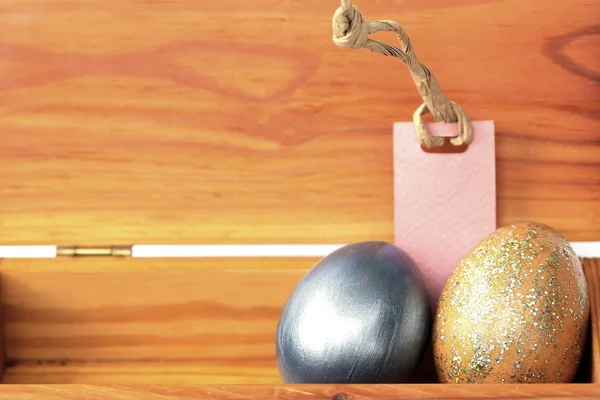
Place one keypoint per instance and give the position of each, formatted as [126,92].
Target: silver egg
[360,315]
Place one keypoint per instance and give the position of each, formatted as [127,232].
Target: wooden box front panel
[144,321]
[137,321]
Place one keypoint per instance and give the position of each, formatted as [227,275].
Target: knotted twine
[352,30]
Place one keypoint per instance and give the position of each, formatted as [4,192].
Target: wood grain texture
[144,372]
[147,310]
[330,392]
[184,122]
[592,273]
[201,321]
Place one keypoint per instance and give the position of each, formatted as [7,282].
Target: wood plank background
[241,122]
[234,121]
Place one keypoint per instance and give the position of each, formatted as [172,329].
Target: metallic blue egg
[360,315]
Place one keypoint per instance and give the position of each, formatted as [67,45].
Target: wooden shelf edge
[333,392]
[591,267]
[2,335]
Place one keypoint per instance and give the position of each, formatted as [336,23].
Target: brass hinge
[94,251]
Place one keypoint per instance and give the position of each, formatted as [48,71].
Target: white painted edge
[582,249]
[27,251]
[234,250]
[586,249]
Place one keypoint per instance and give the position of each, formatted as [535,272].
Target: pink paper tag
[444,203]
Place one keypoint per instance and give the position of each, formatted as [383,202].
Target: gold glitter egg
[515,310]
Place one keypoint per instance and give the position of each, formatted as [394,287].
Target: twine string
[352,30]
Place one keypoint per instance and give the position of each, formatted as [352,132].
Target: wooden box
[235,122]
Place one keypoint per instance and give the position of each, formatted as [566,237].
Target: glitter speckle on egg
[515,310]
